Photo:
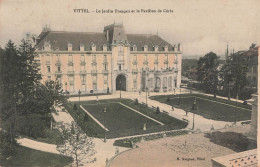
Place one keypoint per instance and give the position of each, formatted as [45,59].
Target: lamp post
[236,110]
[66,88]
[120,87]
[105,138]
[149,87]
[146,95]
[79,92]
[194,108]
[179,97]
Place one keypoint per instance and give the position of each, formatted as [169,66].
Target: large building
[108,61]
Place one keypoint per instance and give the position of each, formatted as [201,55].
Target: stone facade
[110,60]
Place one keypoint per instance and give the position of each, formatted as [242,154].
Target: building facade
[108,61]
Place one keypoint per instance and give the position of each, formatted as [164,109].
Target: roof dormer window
[93,47]
[104,47]
[156,48]
[166,48]
[82,47]
[69,47]
[145,48]
[134,48]
[47,46]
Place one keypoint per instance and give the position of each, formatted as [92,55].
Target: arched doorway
[121,82]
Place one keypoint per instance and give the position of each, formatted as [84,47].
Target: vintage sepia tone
[129,83]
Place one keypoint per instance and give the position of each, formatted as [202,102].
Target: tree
[233,74]
[19,74]
[76,143]
[208,72]
[50,96]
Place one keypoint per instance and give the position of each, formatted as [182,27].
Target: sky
[200,26]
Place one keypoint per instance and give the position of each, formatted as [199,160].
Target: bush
[157,110]
[6,148]
[136,101]
[33,125]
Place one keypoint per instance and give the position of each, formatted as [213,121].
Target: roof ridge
[76,32]
[143,34]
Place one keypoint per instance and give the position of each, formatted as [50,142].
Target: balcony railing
[156,62]
[70,63]
[175,69]
[58,72]
[94,72]
[58,63]
[145,62]
[134,62]
[71,72]
[176,62]
[82,72]
[82,63]
[105,62]
[166,62]
[105,71]
[94,62]
[135,71]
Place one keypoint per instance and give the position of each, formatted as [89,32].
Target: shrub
[157,110]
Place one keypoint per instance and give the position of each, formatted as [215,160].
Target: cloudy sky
[200,26]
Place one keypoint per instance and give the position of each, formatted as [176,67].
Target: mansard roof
[59,40]
[139,40]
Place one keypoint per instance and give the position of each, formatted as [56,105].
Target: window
[48,58]
[71,80]
[71,83]
[69,47]
[94,86]
[59,69]
[70,58]
[114,41]
[170,81]
[59,79]
[151,82]
[83,79]
[134,48]
[145,48]
[70,68]
[120,50]
[48,69]
[94,58]
[81,47]
[105,67]
[165,82]
[105,58]
[82,68]
[82,58]
[58,58]
[119,67]
[166,48]
[135,84]
[49,78]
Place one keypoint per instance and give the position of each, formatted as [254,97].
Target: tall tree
[76,143]
[208,72]
[50,97]
[19,75]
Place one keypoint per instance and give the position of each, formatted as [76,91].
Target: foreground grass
[208,107]
[30,157]
[120,120]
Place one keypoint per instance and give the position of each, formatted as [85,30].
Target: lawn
[30,157]
[122,121]
[208,107]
